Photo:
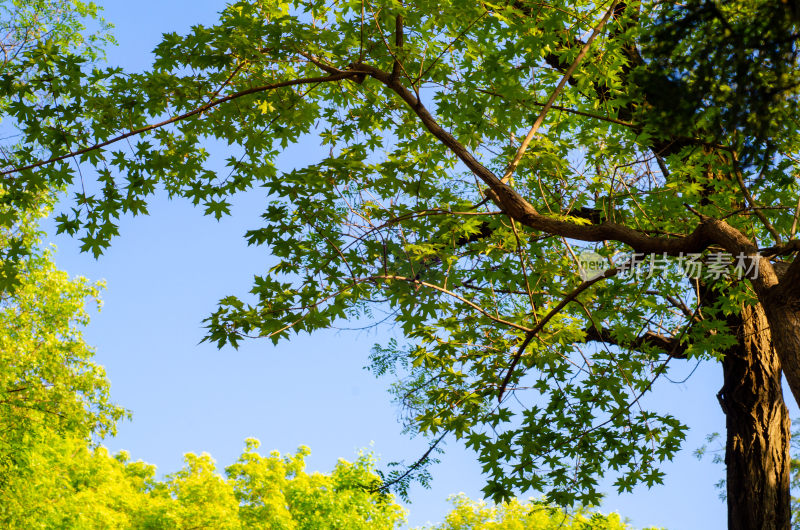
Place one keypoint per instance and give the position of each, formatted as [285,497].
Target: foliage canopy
[428,206]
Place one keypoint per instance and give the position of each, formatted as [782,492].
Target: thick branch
[709,231]
[398,43]
[669,345]
[791,281]
[790,246]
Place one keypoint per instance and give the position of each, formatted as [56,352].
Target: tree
[470,515]
[51,391]
[54,400]
[77,486]
[275,492]
[55,407]
[263,492]
[480,156]
[718,458]
[49,380]
[83,487]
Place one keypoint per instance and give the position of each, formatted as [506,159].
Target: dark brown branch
[674,302]
[791,281]
[781,250]
[398,43]
[14,390]
[669,345]
[483,232]
[508,199]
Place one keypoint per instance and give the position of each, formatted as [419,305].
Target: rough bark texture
[758,429]
[783,311]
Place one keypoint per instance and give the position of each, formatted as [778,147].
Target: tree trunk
[784,320]
[757,423]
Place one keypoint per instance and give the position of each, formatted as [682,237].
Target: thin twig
[454,295]
[752,203]
[174,119]
[553,312]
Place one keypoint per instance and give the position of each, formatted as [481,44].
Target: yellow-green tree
[76,486]
[277,493]
[53,397]
[516,515]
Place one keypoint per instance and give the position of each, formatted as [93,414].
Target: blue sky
[166,272]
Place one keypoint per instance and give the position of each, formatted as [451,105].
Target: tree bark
[758,428]
[782,305]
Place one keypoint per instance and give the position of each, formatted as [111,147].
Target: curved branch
[556,92]
[420,462]
[709,231]
[199,110]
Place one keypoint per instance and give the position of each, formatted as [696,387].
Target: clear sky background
[166,272]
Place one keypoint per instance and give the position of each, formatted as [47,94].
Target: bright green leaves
[48,366]
[35,77]
[76,486]
[53,398]
[276,492]
[217,208]
[94,109]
